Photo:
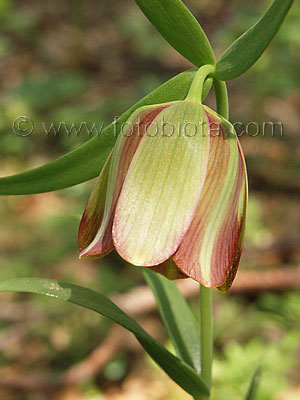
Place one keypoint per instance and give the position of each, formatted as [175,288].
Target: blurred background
[73,61]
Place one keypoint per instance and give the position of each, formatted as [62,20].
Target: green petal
[101,243]
[210,251]
[163,185]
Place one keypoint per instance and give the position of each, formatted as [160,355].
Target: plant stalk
[196,88]
[221,98]
[206,331]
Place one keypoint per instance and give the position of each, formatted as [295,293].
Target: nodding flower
[172,195]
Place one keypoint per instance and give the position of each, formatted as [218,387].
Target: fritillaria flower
[172,195]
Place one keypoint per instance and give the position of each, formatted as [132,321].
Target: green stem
[206,87]
[195,92]
[206,329]
[206,310]
[221,98]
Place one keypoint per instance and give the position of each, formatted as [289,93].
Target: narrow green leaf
[86,161]
[179,371]
[252,391]
[180,28]
[247,49]
[177,316]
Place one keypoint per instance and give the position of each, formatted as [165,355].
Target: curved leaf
[177,316]
[180,372]
[246,50]
[86,161]
[180,28]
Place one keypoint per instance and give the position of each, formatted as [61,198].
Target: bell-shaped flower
[172,195]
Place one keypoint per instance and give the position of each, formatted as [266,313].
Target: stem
[195,92]
[206,329]
[206,310]
[206,87]
[221,98]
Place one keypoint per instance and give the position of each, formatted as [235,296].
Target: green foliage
[180,372]
[231,378]
[268,339]
[252,391]
[178,26]
[172,19]
[42,246]
[177,317]
[246,50]
[85,162]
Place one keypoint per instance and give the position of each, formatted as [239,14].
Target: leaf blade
[177,316]
[180,28]
[252,391]
[247,49]
[180,372]
[86,161]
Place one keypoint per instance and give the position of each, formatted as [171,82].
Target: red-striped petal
[122,154]
[93,213]
[162,188]
[209,252]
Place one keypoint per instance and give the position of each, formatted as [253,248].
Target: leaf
[180,372]
[177,316]
[180,28]
[247,49]
[252,391]
[86,161]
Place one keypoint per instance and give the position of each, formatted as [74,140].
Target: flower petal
[93,213]
[242,211]
[169,270]
[210,251]
[162,187]
[125,147]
